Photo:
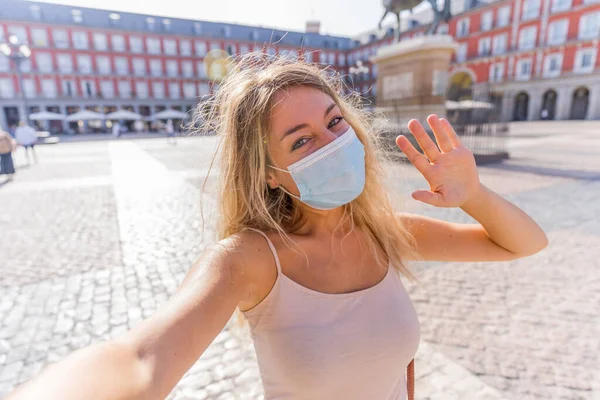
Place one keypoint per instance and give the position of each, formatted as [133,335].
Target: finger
[426,196]
[415,157]
[441,136]
[456,142]
[429,148]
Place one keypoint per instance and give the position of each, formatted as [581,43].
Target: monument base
[412,78]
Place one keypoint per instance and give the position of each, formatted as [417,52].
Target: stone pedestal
[412,78]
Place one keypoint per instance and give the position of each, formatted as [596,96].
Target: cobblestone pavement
[98,235]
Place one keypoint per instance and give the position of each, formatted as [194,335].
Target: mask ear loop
[281,186]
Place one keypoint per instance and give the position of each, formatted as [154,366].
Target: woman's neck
[324,222]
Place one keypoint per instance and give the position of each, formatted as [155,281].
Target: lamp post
[18,53]
[358,69]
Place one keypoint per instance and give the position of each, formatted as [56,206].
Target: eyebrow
[301,126]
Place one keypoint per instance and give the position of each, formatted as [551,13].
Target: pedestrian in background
[170,129]
[27,138]
[116,129]
[312,251]
[7,146]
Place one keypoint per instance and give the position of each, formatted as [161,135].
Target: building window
[461,53]
[65,63]
[531,9]
[7,89]
[84,64]
[496,72]
[187,69]
[197,28]
[485,46]
[201,70]
[254,36]
[49,88]
[200,49]
[44,62]
[174,92]
[114,19]
[226,31]
[203,89]
[80,40]
[441,30]
[141,90]
[4,63]
[172,68]
[185,47]
[103,64]
[36,12]
[189,90]
[125,89]
[561,5]
[244,48]
[552,65]
[215,46]
[166,23]
[107,89]
[487,19]
[122,66]
[156,68]
[589,25]
[88,88]
[170,47]
[139,66]
[524,69]
[158,90]
[40,37]
[136,44]
[500,44]
[585,59]
[557,31]
[230,49]
[150,24]
[331,60]
[462,27]
[341,60]
[118,43]
[503,17]
[153,45]
[77,16]
[100,42]
[20,32]
[68,88]
[527,38]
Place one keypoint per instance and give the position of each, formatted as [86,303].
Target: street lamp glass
[25,50]
[5,49]
[13,39]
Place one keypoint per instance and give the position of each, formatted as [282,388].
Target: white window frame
[80,40]
[547,73]
[203,89]
[577,68]
[523,34]
[122,66]
[174,90]
[558,37]
[29,88]
[65,63]
[589,26]
[118,43]
[104,65]
[139,67]
[494,67]
[172,67]
[153,45]
[84,91]
[60,38]
[7,88]
[158,90]
[49,89]
[519,76]
[561,5]
[20,32]
[185,47]
[200,48]
[485,43]
[100,42]
[84,64]
[487,21]
[499,39]
[107,89]
[462,27]
[170,47]
[189,90]
[65,85]
[124,87]
[136,44]
[154,64]
[39,37]
[531,9]
[187,69]
[44,62]
[201,70]
[503,16]
[461,52]
[144,93]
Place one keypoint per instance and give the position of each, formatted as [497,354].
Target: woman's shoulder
[252,254]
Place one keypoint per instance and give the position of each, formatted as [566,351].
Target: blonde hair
[240,114]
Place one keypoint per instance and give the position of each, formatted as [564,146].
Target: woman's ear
[272,180]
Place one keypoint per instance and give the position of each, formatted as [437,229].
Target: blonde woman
[311,253]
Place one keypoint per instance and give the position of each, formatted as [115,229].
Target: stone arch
[580,103]
[521,108]
[549,100]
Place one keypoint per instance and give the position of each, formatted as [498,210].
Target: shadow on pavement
[546,171]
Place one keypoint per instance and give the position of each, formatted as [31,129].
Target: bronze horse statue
[397,6]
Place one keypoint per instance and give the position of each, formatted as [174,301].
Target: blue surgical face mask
[332,176]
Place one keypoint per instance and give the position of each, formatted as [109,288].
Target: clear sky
[338,17]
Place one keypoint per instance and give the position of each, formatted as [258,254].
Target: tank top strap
[271,246]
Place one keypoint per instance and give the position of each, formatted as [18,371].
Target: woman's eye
[334,122]
[299,143]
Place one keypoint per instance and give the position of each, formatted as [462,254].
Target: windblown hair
[240,114]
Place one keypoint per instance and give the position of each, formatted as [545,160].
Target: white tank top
[319,346]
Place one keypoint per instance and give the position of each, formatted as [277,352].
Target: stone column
[535,105]
[508,105]
[563,102]
[65,124]
[594,102]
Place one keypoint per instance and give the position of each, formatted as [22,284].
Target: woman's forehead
[299,103]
